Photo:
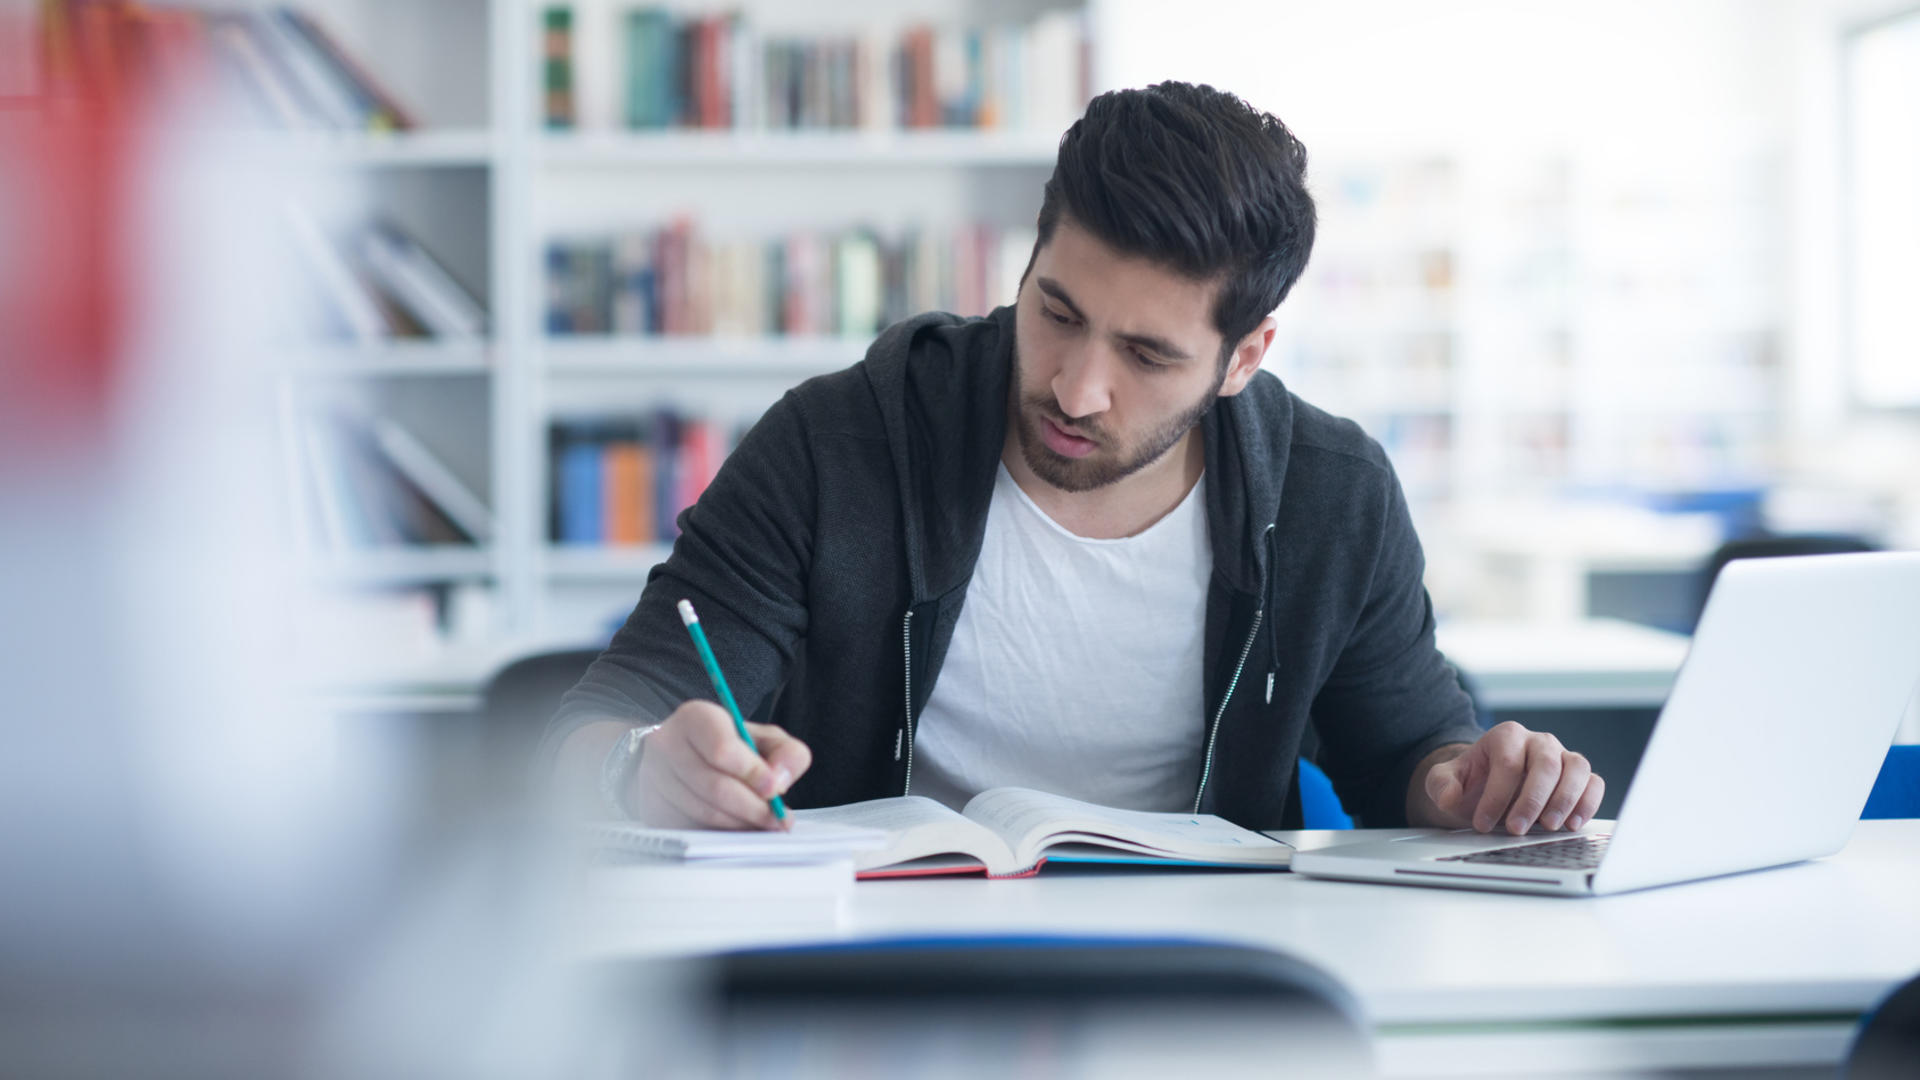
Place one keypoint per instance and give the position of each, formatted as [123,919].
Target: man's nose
[1084,386]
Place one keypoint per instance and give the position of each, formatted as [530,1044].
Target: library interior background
[351,349]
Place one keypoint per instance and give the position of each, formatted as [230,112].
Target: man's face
[1115,360]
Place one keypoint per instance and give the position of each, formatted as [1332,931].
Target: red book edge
[909,871]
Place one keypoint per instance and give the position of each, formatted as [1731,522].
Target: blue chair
[1896,794]
[1319,806]
[1888,1044]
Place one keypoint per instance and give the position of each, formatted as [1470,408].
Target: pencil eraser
[686,612]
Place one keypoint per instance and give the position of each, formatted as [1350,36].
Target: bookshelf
[749,183]
[482,182]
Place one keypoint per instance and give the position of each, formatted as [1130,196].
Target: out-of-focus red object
[71,133]
[64,186]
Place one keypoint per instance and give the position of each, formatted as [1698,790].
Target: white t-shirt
[1075,666]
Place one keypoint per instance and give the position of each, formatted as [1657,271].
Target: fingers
[696,770]
[1529,778]
[787,758]
[1506,750]
[1574,773]
[1544,756]
[711,810]
[711,735]
[1589,803]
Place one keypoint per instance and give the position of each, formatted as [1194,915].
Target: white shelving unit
[745,150]
[486,186]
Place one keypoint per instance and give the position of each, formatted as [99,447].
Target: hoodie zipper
[1206,765]
[906,650]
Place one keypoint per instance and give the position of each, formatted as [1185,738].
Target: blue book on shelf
[560,288]
[582,516]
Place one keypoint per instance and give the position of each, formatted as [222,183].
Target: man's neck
[1124,508]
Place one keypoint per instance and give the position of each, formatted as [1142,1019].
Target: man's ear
[1247,356]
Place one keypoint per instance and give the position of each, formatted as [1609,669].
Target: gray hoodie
[830,557]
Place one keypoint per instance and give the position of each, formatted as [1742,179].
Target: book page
[1028,821]
[917,827]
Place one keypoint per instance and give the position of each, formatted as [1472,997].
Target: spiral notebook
[808,841]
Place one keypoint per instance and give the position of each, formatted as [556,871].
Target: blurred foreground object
[1067,1007]
[204,876]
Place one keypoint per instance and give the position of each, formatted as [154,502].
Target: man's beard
[1106,465]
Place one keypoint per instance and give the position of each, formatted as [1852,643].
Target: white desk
[1770,968]
[1573,663]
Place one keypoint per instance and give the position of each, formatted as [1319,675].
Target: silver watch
[623,759]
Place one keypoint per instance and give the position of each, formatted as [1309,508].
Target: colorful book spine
[626,482]
[854,282]
[628,491]
[715,72]
[557,67]
[581,486]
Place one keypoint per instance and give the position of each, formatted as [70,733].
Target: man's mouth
[1061,440]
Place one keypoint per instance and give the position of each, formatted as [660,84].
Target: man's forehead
[1128,295]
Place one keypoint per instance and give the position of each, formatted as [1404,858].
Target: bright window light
[1883,225]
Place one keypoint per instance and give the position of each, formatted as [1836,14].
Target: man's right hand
[696,771]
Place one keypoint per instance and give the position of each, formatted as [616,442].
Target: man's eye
[1055,316]
[1146,361]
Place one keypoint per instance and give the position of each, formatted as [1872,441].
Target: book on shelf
[347,301]
[556,67]
[674,280]
[625,482]
[1013,832]
[372,484]
[409,273]
[376,282]
[722,72]
[431,476]
[277,65]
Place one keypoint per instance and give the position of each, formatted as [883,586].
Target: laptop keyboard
[1570,853]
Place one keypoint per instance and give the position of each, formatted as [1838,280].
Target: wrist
[618,769]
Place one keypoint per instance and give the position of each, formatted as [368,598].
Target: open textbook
[1012,832]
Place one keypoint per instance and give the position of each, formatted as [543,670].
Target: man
[1081,544]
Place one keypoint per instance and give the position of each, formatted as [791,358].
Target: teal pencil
[720,687]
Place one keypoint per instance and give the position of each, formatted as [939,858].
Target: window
[1883,211]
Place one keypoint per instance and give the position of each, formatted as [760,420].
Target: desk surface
[1805,949]
[1578,663]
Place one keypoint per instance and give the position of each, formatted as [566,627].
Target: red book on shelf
[700,454]
[923,104]
[672,271]
[712,94]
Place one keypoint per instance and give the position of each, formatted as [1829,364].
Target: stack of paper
[673,890]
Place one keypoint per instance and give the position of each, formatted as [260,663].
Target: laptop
[1763,755]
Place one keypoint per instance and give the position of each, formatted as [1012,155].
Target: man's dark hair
[1197,180]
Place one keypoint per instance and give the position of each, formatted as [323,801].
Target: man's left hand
[1516,777]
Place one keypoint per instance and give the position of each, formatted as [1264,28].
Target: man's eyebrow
[1153,344]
